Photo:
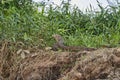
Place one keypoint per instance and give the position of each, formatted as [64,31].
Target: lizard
[60,45]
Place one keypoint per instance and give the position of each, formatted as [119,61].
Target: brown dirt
[37,64]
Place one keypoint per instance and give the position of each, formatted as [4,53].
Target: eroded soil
[18,63]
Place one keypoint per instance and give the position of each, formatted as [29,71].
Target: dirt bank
[18,63]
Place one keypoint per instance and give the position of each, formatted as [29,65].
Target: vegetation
[20,20]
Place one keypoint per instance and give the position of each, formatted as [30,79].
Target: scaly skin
[60,44]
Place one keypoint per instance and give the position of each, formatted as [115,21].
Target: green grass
[91,29]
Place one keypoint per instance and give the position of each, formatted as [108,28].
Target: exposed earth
[20,63]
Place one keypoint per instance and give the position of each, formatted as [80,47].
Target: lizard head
[58,38]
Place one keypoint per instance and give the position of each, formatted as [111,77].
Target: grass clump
[21,21]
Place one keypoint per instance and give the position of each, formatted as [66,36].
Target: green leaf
[26,36]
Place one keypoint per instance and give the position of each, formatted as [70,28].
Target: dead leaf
[19,51]
[23,55]
[34,54]
[26,51]
[48,48]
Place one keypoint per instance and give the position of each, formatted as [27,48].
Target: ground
[31,63]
